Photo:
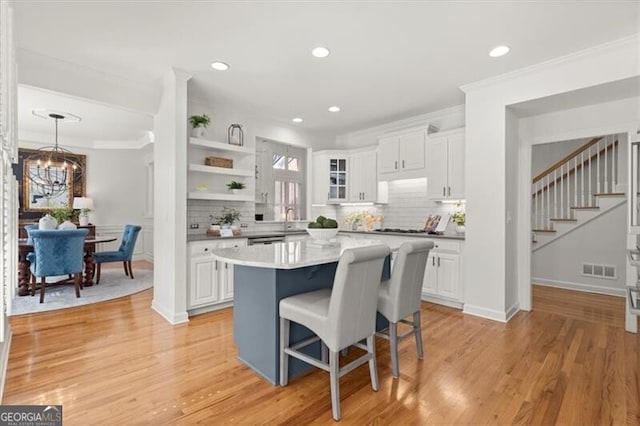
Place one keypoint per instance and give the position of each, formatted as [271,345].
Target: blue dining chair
[55,253]
[123,254]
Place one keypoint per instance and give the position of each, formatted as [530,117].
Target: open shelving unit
[215,177]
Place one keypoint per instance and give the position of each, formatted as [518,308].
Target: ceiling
[101,126]
[389,60]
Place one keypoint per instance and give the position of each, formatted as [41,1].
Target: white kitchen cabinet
[338,178]
[363,179]
[441,283]
[210,281]
[320,185]
[263,175]
[402,155]
[445,165]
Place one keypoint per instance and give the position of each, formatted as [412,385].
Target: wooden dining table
[25,248]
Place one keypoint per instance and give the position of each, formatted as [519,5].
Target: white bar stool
[399,297]
[340,317]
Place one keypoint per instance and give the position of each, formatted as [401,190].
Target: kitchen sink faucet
[286,218]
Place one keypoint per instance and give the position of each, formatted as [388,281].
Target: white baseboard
[441,301]
[479,311]
[173,318]
[512,311]
[142,256]
[4,358]
[210,308]
[590,288]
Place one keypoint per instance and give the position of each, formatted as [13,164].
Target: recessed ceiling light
[320,52]
[499,51]
[297,120]
[334,109]
[219,66]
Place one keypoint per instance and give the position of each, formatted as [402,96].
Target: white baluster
[556,212]
[562,191]
[598,166]
[535,207]
[614,161]
[582,174]
[590,196]
[548,206]
[575,181]
[606,158]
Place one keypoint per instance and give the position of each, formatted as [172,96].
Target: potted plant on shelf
[459,219]
[229,217]
[64,215]
[199,124]
[235,187]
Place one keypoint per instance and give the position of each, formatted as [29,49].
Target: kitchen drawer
[446,246]
[236,242]
[201,248]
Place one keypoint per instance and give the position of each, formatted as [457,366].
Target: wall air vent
[609,272]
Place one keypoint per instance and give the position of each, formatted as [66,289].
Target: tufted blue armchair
[30,227]
[56,252]
[123,254]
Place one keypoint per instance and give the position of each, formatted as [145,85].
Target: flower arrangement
[229,216]
[459,216]
[365,218]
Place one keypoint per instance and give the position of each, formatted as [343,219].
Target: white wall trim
[590,288]
[479,311]
[626,42]
[174,319]
[512,311]
[4,357]
[442,301]
[584,133]
[524,227]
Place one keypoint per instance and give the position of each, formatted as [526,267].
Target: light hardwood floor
[118,362]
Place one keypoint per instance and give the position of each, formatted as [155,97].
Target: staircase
[575,190]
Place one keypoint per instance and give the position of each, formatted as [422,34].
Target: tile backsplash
[408,206]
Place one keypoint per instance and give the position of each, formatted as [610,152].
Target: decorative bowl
[322,234]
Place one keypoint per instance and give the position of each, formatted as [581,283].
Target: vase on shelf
[460,229]
[198,131]
[47,222]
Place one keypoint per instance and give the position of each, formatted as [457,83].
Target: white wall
[486,240]
[601,241]
[511,216]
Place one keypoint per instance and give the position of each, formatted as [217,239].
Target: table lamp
[85,205]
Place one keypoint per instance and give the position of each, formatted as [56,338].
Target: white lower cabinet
[441,282]
[210,281]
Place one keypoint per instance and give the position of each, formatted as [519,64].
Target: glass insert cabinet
[337,179]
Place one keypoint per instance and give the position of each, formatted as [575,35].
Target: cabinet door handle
[444,191]
[433,261]
[215,263]
[438,261]
[226,266]
[403,164]
[396,165]
[448,190]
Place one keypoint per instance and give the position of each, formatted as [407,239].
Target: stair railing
[570,182]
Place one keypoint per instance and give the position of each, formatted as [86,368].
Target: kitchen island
[264,275]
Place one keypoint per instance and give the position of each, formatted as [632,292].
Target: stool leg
[417,329]
[284,358]
[130,270]
[324,352]
[393,343]
[334,374]
[373,368]
[126,271]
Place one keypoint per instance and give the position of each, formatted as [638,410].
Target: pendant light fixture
[51,169]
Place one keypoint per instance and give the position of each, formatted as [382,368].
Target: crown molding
[626,42]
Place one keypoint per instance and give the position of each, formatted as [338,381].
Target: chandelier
[51,169]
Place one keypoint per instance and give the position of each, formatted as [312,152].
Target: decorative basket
[219,162]
[211,233]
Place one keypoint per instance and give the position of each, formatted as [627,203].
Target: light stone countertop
[290,255]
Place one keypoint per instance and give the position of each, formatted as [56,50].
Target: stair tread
[585,208]
[562,219]
[543,230]
[608,194]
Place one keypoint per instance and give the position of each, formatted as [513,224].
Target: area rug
[113,284]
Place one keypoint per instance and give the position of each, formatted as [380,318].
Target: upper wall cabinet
[445,165]
[363,181]
[402,156]
[330,177]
